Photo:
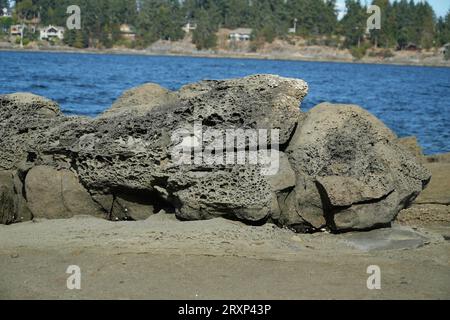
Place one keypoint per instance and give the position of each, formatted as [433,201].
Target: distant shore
[432,62]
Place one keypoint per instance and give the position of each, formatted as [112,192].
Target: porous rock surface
[339,167]
[350,167]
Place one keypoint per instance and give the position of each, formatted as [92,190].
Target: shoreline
[228,55]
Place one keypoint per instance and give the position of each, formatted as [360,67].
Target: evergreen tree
[204,36]
[443,30]
[403,22]
[3,4]
[353,25]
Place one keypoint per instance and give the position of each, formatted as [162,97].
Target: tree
[204,36]
[353,25]
[426,21]
[3,4]
[26,9]
[443,30]
[403,21]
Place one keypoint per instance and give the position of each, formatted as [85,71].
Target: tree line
[403,22]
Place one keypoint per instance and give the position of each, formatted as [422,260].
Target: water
[410,100]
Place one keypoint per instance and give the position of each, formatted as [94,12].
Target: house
[127,32]
[32,25]
[189,27]
[5,12]
[52,32]
[241,34]
[445,49]
[16,30]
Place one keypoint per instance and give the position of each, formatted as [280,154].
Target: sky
[441,7]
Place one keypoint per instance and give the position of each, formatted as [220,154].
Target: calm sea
[410,100]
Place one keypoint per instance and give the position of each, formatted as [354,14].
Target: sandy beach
[162,258]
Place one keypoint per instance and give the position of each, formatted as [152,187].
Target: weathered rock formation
[337,166]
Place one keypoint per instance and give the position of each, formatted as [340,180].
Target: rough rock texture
[25,119]
[350,172]
[256,102]
[337,166]
[412,145]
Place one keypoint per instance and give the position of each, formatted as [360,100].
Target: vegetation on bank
[405,24]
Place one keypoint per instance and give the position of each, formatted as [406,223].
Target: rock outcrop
[349,167]
[239,149]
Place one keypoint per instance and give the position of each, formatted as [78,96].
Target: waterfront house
[5,12]
[445,49]
[127,32]
[241,34]
[52,32]
[16,30]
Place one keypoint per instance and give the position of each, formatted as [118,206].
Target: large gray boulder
[337,167]
[351,173]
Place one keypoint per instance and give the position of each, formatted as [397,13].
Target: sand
[162,258]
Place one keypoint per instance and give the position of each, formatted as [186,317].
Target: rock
[141,147]
[54,194]
[105,201]
[256,102]
[7,198]
[336,166]
[438,191]
[23,213]
[350,172]
[132,207]
[13,206]
[412,145]
[285,177]
[141,100]
[236,192]
[344,191]
[24,120]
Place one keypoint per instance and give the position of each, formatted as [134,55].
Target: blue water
[410,100]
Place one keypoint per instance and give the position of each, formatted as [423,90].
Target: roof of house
[126,28]
[50,27]
[245,31]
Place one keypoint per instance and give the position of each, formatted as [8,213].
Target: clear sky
[441,7]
